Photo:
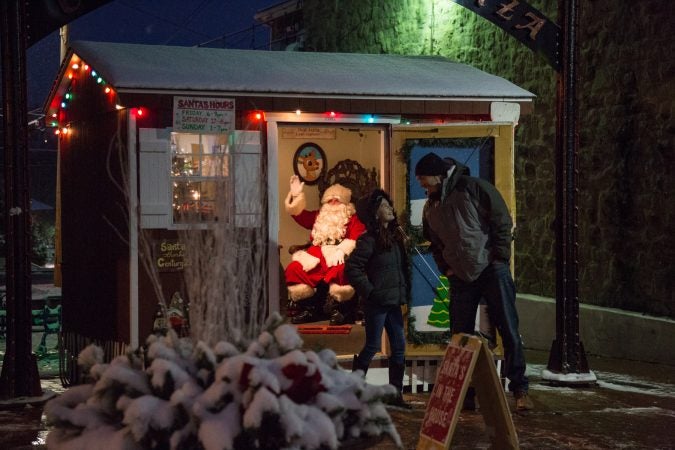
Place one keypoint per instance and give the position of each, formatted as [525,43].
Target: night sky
[159,22]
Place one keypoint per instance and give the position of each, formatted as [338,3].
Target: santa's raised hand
[296,185]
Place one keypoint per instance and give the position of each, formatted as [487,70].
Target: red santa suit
[334,230]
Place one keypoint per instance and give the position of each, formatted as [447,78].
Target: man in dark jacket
[470,230]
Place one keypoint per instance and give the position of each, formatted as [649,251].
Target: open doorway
[320,155]
[430,295]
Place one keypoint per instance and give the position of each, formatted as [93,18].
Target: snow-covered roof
[130,67]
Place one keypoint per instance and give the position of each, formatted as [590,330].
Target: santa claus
[334,230]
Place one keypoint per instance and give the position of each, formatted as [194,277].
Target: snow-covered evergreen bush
[270,395]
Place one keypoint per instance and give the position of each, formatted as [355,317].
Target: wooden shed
[161,104]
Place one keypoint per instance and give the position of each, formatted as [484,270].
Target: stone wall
[627,131]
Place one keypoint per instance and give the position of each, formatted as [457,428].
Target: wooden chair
[352,175]
[360,181]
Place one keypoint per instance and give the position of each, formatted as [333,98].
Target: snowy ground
[632,406]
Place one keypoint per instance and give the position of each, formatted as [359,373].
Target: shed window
[200,174]
[190,179]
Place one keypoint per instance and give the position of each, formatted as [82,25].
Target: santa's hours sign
[212,115]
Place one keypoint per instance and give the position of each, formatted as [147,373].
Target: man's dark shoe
[523,401]
[469,400]
[469,404]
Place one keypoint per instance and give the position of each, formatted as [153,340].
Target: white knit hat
[339,192]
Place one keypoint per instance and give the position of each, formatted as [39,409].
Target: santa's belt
[325,243]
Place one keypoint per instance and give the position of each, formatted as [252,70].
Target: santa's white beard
[330,225]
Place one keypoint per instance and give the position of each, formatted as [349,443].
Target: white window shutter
[154,175]
[248,179]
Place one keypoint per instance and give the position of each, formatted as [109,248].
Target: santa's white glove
[296,186]
[339,257]
[333,255]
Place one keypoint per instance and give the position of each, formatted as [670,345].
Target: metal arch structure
[22,24]
[45,16]
[525,23]
[567,362]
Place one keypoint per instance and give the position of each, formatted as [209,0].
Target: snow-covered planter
[271,395]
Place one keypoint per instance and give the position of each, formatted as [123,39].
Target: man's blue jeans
[391,319]
[496,286]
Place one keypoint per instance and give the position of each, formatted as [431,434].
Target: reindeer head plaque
[309,163]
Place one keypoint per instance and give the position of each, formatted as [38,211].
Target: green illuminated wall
[627,137]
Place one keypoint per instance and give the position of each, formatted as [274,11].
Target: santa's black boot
[344,312]
[335,312]
[292,309]
[331,308]
[308,312]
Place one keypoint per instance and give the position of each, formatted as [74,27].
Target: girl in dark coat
[377,269]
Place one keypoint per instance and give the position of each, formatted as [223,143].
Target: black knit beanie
[431,165]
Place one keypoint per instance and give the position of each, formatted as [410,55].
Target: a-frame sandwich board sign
[466,358]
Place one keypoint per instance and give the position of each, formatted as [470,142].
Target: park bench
[45,318]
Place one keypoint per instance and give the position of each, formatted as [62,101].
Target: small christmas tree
[439,316]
